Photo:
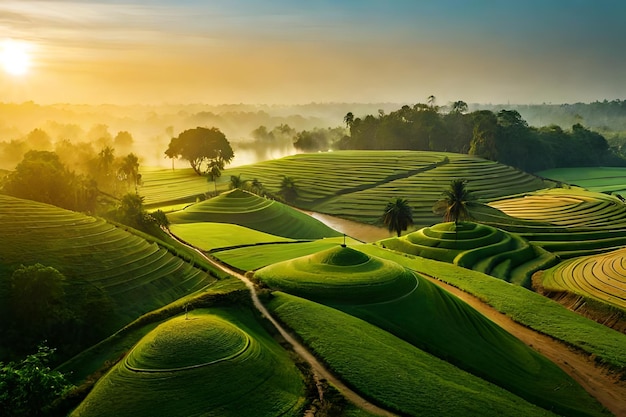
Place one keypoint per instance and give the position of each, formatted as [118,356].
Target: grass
[601,277]
[476,246]
[390,371]
[600,179]
[524,306]
[213,236]
[136,275]
[254,257]
[430,319]
[339,275]
[259,380]
[254,212]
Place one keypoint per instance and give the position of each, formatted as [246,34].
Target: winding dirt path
[319,371]
[607,389]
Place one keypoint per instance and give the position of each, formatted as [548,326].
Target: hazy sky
[296,51]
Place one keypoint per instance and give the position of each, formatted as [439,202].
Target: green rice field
[138,276]
[601,179]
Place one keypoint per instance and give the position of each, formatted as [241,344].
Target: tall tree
[288,189]
[201,146]
[454,202]
[214,172]
[459,107]
[348,119]
[398,215]
[235,182]
[129,170]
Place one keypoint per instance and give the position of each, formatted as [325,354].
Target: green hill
[135,275]
[254,212]
[475,246]
[218,362]
[433,320]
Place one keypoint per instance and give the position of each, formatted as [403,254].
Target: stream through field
[364,232]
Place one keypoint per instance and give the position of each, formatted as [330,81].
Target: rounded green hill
[220,362]
[340,274]
[254,212]
[476,246]
[182,343]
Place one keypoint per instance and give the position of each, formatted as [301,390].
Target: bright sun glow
[14,57]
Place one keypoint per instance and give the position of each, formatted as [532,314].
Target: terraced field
[478,247]
[254,212]
[357,184]
[602,277]
[203,365]
[569,222]
[599,179]
[429,319]
[487,180]
[161,186]
[138,276]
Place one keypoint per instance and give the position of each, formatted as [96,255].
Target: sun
[14,57]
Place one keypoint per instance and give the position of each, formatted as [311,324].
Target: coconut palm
[398,215]
[214,172]
[235,182]
[288,189]
[454,202]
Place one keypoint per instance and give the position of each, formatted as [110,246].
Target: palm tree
[454,202]
[255,186]
[235,182]
[288,189]
[129,170]
[398,215]
[431,101]
[214,171]
[348,119]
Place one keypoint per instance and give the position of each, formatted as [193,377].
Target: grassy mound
[475,246]
[257,380]
[389,370]
[185,343]
[254,212]
[340,275]
[601,277]
[137,276]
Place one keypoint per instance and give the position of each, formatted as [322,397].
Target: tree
[129,170]
[235,182]
[431,101]
[398,215]
[38,304]
[131,211]
[201,146]
[454,203]
[29,387]
[288,189]
[459,107]
[348,119]
[255,186]
[214,172]
[123,141]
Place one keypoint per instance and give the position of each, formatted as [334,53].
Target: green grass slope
[526,307]
[254,212]
[219,362]
[600,179]
[430,319]
[213,236]
[475,246]
[390,371]
[137,276]
[601,277]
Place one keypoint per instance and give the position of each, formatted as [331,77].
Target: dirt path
[609,391]
[319,371]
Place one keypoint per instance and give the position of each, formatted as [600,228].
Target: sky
[297,51]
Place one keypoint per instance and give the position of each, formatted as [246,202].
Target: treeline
[503,136]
